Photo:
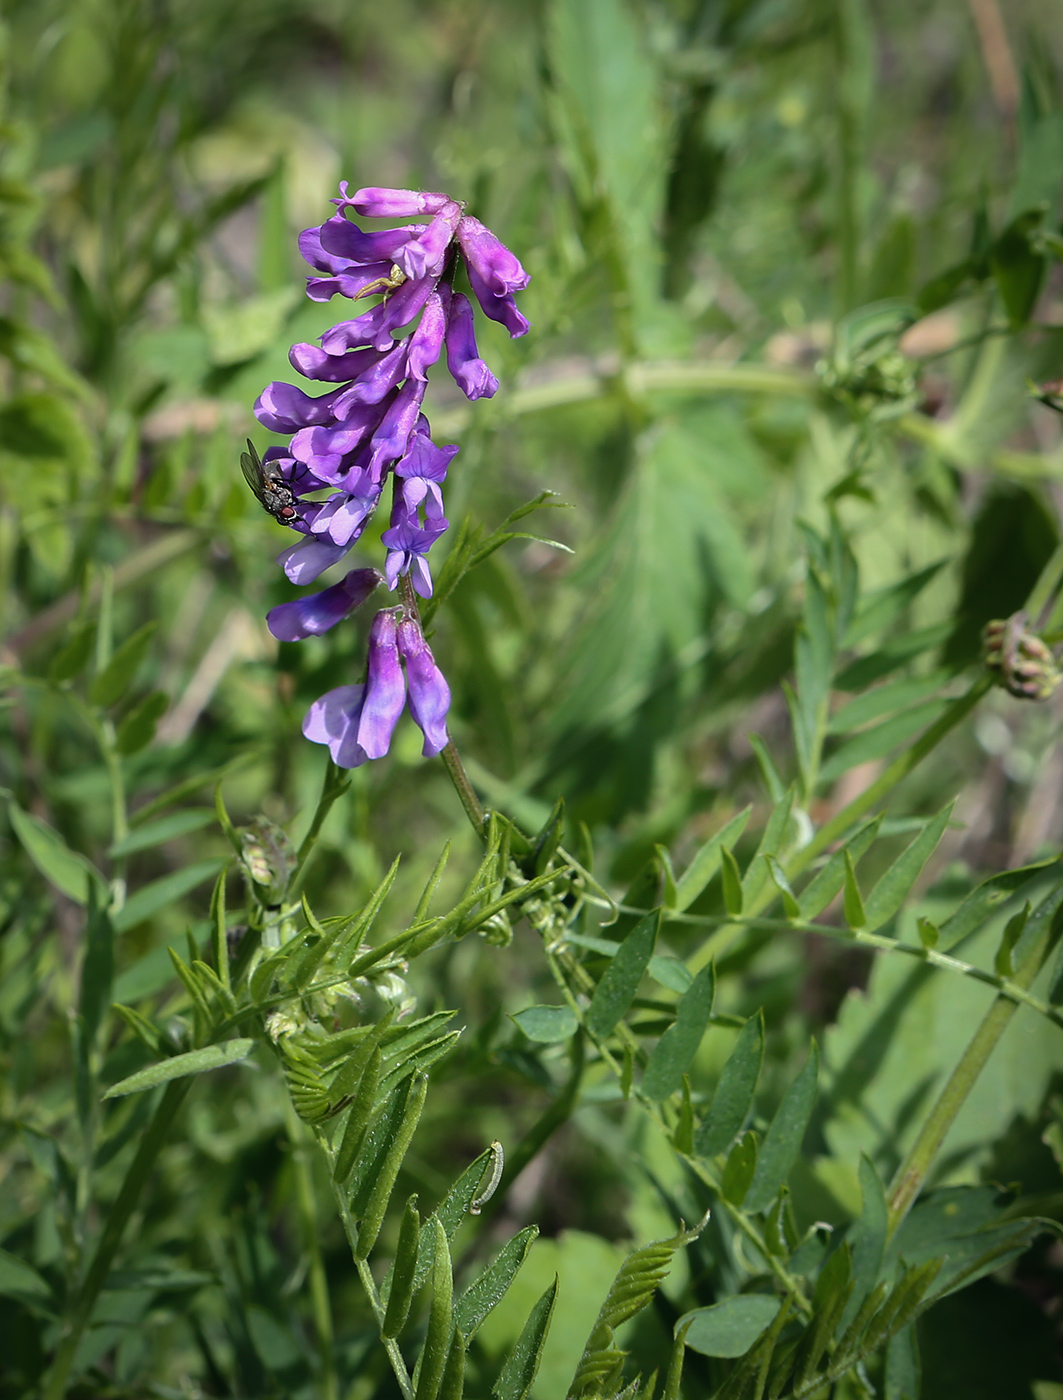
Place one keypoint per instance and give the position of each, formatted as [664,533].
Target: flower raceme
[368,426]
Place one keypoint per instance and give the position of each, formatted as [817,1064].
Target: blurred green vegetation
[708,194]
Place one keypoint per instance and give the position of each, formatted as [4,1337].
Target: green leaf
[859,674]
[97,968]
[782,884]
[782,1143]
[384,1178]
[620,982]
[707,861]
[358,1116]
[670,973]
[400,1279]
[729,1328]
[866,1238]
[1004,961]
[884,700]
[546,1023]
[383,1131]
[892,888]
[517,1376]
[159,893]
[72,659]
[966,1227]
[489,1289]
[740,1168]
[437,1340]
[1017,269]
[772,843]
[988,896]
[855,915]
[117,676]
[67,870]
[674,1053]
[823,887]
[732,882]
[772,781]
[227,1052]
[21,1281]
[903,1378]
[737,1085]
[884,606]
[137,729]
[881,739]
[143,838]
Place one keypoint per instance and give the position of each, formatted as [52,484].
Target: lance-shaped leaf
[358,1117]
[489,1289]
[674,1053]
[866,1238]
[382,1183]
[782,1143]
[707,861]
[986,898]
[227,1052]
[453,1209]
[399,1282]
[66,869]
[855,914]
[546,1024]
[730,1327]
[734,1092]
[616,991]
[517,1376]
[731,878]
[826,883]
[889,893]
[739,1169]
[117,676]
[433,1358]
[772,842]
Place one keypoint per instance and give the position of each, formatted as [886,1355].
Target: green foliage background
[795,264]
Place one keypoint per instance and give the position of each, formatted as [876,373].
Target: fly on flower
[271,489]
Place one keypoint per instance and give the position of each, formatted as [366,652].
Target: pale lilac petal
[378,202]
[315,614]
[306,561]
[385,693]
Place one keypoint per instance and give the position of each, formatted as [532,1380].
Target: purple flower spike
[500,308]
[347,243]
[407,544]
[334,720]
[429,692]
[378,202]
[385,692]
[425,254]
[311,616]
[463,359]
[285,409]
[490,259]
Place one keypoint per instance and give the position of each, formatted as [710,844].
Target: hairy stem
[334,785]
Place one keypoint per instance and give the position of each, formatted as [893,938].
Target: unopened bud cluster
[1022,662]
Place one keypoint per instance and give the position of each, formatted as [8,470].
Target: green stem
[118,1219]
[319,1292]
[335,783]
[464,788]
[913,1171]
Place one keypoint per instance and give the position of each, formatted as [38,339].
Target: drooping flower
[368,426]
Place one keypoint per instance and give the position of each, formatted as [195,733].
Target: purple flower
[306,561]
[316,613]
[429,692]
[422,472]
[376,202]
[285,409]
[385,689]
[333,720]
[494,265]
[407,544]
[343,517]
[463,359]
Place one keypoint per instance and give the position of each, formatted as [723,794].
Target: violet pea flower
[497,268]
[429,694]
[306,561]
[463,359]
[385,687]
[379,202]
[341,239]
[407,543]
[333,719]
[285,409]
[424,255]
[315,614]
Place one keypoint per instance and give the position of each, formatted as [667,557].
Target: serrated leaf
[68,870]
[490,1288]
[117,676]
[227,1052]
[737,1085]
[517,1376]
[620,982]
[739,1169]
[892,888]
[546,1024]
[729,1328]
[706,862]
[783,1140]
[674,1053]
[732,883]
[824,886]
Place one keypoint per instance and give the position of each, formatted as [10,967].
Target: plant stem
[913,1171]
[319,1293]
[464,788]
[334,785]
[135,1180]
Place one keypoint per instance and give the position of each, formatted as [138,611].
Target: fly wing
[251,466]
